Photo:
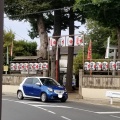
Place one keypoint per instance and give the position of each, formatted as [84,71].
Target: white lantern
[26,66]
[40,66]
[78,40]
[53,42]
[17,66]
[36,65]
[112,65]
[61,42]
[118,65]
[45,66]
[92,65]
[70,41]
[21,66]
[98,65]
[104,65]
[12,66]
[31,67]
[86,66]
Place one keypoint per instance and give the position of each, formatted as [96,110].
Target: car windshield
[49,82]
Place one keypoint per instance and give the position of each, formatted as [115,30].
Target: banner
[108,47]
[89,55]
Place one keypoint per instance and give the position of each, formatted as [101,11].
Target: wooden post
[80,83]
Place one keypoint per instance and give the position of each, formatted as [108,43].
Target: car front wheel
[43,97]
[20,95]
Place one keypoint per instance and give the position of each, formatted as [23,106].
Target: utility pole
[1,51]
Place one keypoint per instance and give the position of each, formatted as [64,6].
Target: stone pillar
[80,83]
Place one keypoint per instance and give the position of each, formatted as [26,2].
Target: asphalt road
[32,109]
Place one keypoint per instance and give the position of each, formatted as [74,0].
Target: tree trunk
[57,32]
[43,38]
[118,36]
[70,54]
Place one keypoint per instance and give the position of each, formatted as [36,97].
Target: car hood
[57,87]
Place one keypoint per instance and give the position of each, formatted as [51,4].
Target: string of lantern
[102,65]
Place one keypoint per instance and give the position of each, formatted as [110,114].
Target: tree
[29,48]
[78,62]
[31,11]
[104,11]
[19,46]
[99,34]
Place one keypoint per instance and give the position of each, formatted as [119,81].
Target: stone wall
[13,79]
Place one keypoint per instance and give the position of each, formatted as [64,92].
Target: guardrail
[112,94]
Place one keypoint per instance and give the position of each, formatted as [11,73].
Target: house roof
[63,51]
[26,57]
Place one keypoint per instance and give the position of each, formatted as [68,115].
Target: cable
[16,34]
[39,12]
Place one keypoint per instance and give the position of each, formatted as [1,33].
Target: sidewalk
[75,98]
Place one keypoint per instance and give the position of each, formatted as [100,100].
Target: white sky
[21,30]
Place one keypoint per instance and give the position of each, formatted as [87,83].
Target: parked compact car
[44,88]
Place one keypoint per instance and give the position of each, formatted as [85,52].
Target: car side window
[35,80]
[28,81]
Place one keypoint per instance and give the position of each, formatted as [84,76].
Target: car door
[36,88]
[28,87]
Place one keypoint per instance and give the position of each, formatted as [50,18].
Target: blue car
[44,88]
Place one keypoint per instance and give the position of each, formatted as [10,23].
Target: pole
[1,50]
[57,63]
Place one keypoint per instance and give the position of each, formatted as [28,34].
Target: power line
[45,11]
[15,33]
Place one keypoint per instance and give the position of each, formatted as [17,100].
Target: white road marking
[52,112]
[84,110]
[115,116]
[108,112]
[65,118]
[52,106]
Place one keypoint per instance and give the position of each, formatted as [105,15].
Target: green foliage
[99,34]
[24,48]
[78,62]
[30,10]
[106,12]
[20,47]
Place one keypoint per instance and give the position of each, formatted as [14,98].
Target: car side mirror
[38,84]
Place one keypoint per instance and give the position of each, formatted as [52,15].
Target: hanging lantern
[36,65]
[92,65]
[45,66]
[26,66]
[98,65]
[61,42]
[118,65]
[53,42]
[17,66]
[12,66]
[21,66]
[78,40]
[40,66]
[104,65]
[70,41]
[112,65]
[86,66]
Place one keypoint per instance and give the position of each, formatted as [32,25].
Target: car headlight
[50,89]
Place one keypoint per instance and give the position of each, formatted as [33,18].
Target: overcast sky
[21,30]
